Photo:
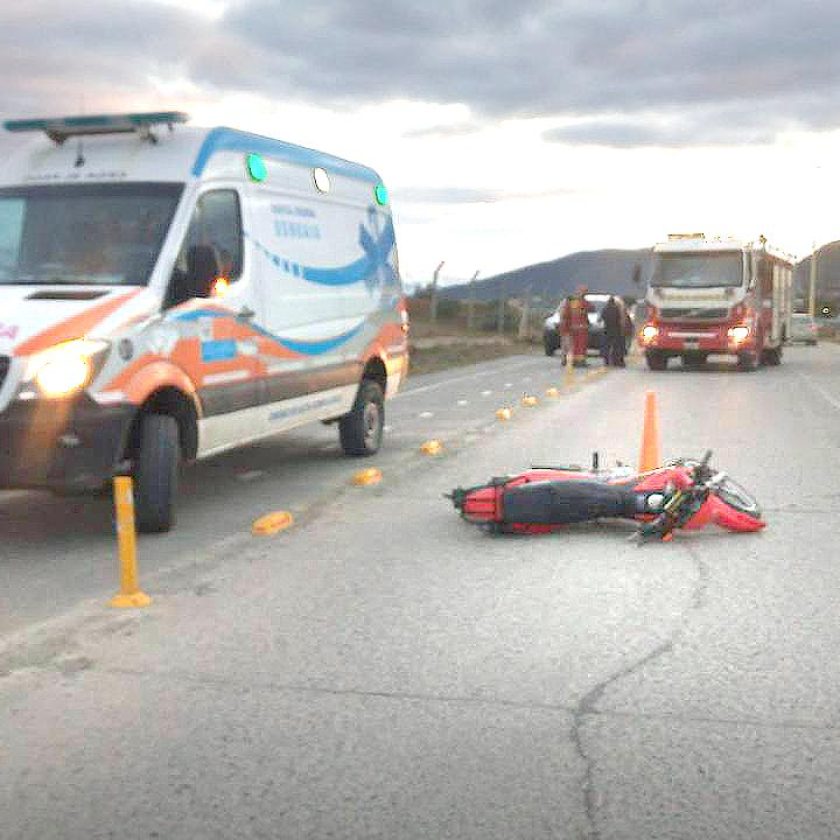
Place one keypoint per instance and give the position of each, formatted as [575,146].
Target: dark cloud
[715,69]
[692,128]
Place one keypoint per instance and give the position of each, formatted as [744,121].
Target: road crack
[587,705]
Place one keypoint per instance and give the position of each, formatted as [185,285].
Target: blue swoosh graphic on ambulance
[376,253]
[304,347]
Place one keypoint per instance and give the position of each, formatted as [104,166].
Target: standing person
[629,328]
[613,317]
[575,325]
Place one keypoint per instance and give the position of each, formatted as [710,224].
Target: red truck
[717,296]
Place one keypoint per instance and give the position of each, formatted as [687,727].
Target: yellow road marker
[529,401]
[432,447]
[504,414]
[130,594]
[369,476]
[552,392]
[272,523]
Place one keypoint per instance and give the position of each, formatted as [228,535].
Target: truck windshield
[99,234]
[698,271]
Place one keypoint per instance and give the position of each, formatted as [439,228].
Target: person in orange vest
[575,325]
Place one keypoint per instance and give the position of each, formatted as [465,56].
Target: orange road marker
[272,523]
[369,476]
[431,447]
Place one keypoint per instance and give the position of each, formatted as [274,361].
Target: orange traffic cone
[649,458]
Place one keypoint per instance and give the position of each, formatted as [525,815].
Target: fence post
[500,322]
[471,304]
[524,325]
[433,299]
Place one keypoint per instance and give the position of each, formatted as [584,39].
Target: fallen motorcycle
[683,494]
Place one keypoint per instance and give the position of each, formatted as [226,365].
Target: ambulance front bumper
[72,444]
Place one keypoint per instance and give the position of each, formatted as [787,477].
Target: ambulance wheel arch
[172,402]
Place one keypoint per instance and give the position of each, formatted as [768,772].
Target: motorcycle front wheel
[737,497]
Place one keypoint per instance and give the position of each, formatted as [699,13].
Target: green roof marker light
[381,194]
[256,167]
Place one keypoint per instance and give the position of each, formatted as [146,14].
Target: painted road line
[463,402]
[486,393]
[468,376]
[821,391]
[253,475]
[425,415]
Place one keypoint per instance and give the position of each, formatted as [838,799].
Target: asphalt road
[386,670]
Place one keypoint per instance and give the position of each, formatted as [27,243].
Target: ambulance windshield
[698,271]
[83,234]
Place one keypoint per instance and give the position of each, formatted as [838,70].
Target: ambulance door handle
[246,314]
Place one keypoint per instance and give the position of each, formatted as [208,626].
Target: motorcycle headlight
[66,368]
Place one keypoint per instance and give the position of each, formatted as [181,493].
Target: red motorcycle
[683,494]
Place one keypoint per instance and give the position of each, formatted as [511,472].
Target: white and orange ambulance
[168,292]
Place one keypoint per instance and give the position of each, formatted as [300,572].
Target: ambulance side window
[215,229]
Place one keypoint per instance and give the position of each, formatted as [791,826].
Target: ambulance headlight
[66,368]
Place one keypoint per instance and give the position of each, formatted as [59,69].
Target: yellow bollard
[431,447]
[552,392]
[529,401]
[504,414]
[130,594]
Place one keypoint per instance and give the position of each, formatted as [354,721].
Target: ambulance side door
[219,350]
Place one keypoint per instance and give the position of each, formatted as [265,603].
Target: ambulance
[168,293]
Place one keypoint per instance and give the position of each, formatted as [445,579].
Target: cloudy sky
[508,131]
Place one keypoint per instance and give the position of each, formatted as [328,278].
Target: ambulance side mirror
[197,281]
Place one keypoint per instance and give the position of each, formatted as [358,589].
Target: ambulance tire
[156,473]
[360,430]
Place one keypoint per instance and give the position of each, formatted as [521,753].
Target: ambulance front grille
[4,368]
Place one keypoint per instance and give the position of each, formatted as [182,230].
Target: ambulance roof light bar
[58,129]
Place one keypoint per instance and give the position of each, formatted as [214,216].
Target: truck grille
[694,314]
[4,368]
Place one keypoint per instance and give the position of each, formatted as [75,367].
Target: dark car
[595,340]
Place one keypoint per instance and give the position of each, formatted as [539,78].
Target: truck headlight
[649,333]
[66,368]
[739,334]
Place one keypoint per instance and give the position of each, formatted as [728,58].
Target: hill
[602,271]
[614,270]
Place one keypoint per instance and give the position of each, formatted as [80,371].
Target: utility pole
[812,294]
[471,304]
[434,299]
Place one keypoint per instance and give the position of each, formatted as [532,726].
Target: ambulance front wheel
[156,473]
[360,430]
